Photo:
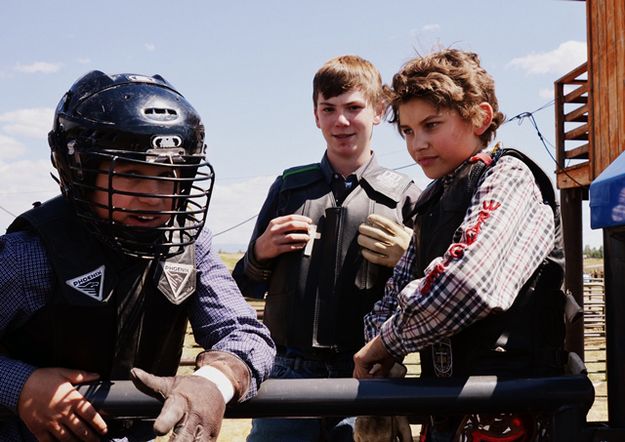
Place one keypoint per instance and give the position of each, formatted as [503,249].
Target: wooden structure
[590,130]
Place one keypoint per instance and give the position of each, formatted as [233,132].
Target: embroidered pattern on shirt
[456,250]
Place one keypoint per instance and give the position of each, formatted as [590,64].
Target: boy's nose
[149,191]
[342,120]
[417,143]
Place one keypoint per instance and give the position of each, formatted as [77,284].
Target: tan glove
[383,241]
[194,407]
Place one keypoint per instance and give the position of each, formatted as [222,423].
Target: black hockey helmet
[105,121]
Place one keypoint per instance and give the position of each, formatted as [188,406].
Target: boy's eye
[327,110]
[432,124]
[355,107]
[406,131]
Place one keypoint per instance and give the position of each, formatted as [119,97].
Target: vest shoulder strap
[387,182]
[543,181]
[301,176]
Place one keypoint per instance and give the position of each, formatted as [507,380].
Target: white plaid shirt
[506,233]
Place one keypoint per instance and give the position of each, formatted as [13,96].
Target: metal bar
[332,397]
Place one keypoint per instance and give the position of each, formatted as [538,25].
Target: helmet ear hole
[107,121]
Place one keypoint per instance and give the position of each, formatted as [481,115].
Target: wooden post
[571,206]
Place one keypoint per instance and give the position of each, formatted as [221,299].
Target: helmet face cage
[153,140]
[190,183]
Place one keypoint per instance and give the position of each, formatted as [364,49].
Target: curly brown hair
[449,78]
[346,72]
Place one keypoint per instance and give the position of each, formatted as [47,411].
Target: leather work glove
[194,407]
[383,241]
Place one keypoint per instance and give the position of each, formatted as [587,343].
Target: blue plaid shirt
[506,233]
[220,317]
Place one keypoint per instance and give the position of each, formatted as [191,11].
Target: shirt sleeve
[24,282]
[250,274]
[387,305]
[507,232]
[222,320]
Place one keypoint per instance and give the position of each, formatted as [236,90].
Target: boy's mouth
[343,136]
[144,220]
[426,161]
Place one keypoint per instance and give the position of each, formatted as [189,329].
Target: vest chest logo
[90,284]
[177,275]
[389,179]
[442,358]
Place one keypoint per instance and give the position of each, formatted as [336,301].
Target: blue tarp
[607,196]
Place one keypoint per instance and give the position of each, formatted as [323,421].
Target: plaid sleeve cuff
[391,340]
[13,376]
[253,268]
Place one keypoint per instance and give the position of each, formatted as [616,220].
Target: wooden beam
[576,95]
[572,75]
[579,115]
[571,208]
[579,133]
[574,176]
[578,153]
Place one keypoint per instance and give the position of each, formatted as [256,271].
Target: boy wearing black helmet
[99,283]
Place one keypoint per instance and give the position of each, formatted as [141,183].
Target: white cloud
[567,56]
[10,148]
[431,27]
[84,60]
[151,47]
[38,67]
[234,203]
[546,93]
[23,182]
[32,123]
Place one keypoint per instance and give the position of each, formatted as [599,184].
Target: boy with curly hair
[478,290]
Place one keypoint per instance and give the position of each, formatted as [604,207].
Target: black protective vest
[525,340]
[105,313]
[319,300]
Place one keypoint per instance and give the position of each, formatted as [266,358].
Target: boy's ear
[486,111]
[379,113]
[316,117]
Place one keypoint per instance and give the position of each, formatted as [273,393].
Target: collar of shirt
[342,186]
[328,171]
[451,176]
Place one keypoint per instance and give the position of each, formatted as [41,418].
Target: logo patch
[177,276]
[166,141]
[442,357]
[90,284]
[389,179]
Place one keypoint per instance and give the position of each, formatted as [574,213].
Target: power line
[532,120]
[520,117]
[236,225]
[8,211]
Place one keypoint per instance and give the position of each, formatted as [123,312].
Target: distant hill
[230,247]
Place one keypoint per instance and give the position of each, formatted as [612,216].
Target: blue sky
[247,67]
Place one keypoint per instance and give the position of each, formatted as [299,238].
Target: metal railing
[565,398]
